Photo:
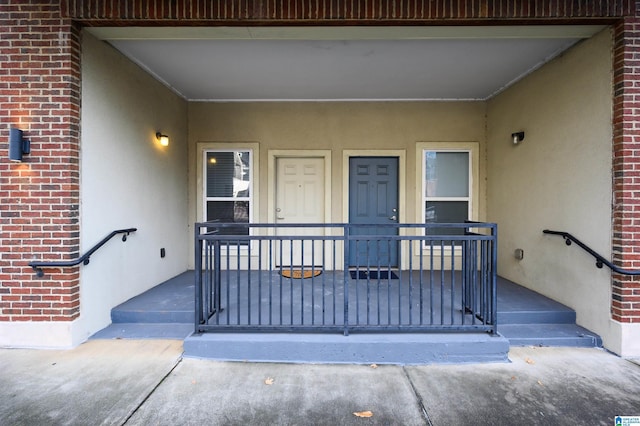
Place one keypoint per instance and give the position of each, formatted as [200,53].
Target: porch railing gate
[255,277]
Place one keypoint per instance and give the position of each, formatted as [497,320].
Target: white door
[299,199]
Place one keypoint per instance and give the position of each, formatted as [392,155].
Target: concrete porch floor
[525,318]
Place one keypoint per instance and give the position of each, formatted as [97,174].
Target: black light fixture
[18,145]
[517,137]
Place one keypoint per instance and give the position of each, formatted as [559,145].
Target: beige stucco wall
[128,180]
[558,178]
[360,128]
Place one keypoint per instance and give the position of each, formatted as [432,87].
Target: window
[446,188]
[228,189]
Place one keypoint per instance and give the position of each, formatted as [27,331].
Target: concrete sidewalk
[142,382]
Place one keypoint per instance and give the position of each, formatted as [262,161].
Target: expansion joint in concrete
[419,400]
[148,395]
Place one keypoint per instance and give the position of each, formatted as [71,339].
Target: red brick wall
[625,303]
[40,94]
[339,11]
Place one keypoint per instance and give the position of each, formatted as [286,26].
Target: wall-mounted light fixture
[18,145]
[163,139]
[518,254]
[517,137]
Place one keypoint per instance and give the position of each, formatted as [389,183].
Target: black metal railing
[340,278]
[84,259]
[600,260]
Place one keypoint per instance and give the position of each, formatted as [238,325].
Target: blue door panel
[373,200]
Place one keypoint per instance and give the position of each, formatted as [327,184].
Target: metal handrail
[600,260]
[85,258]
[234,295]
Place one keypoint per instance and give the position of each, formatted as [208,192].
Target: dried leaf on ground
[374,366]
[269,381]
[363,414]
[540,383]
[530,361]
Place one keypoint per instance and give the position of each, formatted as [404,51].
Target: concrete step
[177,331]
[570,335]
[169,302]
[405,349]
[123,315]
[556,315]
[519,305]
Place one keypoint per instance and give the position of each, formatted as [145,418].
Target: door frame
[401,154]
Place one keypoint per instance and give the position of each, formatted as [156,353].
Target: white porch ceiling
[342,63]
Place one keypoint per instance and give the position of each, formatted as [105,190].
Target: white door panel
[299,199]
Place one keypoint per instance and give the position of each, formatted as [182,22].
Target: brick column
[625,299]
[39,94]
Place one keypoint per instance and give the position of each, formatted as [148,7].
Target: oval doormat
[299,273]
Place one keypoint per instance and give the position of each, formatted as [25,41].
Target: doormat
[300,274]
[373,275]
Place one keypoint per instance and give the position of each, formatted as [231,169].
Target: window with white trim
[228,188]
[447,188]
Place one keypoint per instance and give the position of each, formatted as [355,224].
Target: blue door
[373,200]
